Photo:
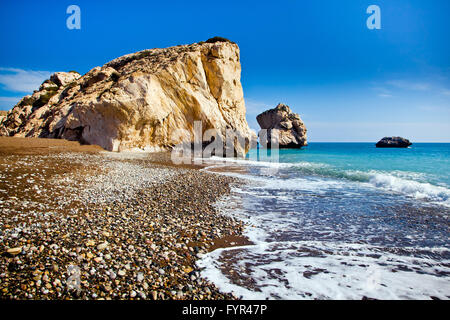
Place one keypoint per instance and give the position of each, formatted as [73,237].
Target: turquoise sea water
[339,220]
[422,162]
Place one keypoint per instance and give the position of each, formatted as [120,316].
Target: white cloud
[433,108]
[19,80]
[254,107]
[383,92]
[7,103]
[408,85]
[388,88]
[10,99]
[373,131]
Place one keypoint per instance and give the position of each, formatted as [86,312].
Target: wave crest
[396,181]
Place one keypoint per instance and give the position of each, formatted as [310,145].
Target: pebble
[14,251]
[149,232]
[90,243]
[103,246]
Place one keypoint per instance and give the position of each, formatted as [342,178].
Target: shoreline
[315,238]
[124,226]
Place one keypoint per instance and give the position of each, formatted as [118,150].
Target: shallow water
[339,221]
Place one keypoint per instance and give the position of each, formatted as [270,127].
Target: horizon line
[373,142]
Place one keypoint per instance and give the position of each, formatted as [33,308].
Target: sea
[337,221]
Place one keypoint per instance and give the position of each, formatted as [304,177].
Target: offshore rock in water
[290,127]
[393,142]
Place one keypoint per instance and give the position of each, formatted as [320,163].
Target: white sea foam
[324,270]
[319,175]
[273,164]
[418,190]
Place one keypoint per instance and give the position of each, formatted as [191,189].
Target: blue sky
[347,82]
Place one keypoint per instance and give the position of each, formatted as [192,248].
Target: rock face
[393,142]
[147,100]
[290,127]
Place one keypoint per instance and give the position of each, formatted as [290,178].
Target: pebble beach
[80,223]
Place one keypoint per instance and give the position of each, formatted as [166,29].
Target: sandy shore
[77,222]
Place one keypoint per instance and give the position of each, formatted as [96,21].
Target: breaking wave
[411,184]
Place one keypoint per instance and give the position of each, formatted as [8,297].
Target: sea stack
[393,142]
[147,100]
[290,127]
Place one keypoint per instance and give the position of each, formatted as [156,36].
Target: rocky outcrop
[289,126]
[147,100]
[62,79]
[393,142]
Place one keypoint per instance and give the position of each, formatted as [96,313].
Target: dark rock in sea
[393,142]
[289,126]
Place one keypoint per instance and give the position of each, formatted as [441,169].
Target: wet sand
[35,146]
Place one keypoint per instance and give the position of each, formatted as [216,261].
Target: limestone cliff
[139,100]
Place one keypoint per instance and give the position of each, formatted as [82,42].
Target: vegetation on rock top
[217,39]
